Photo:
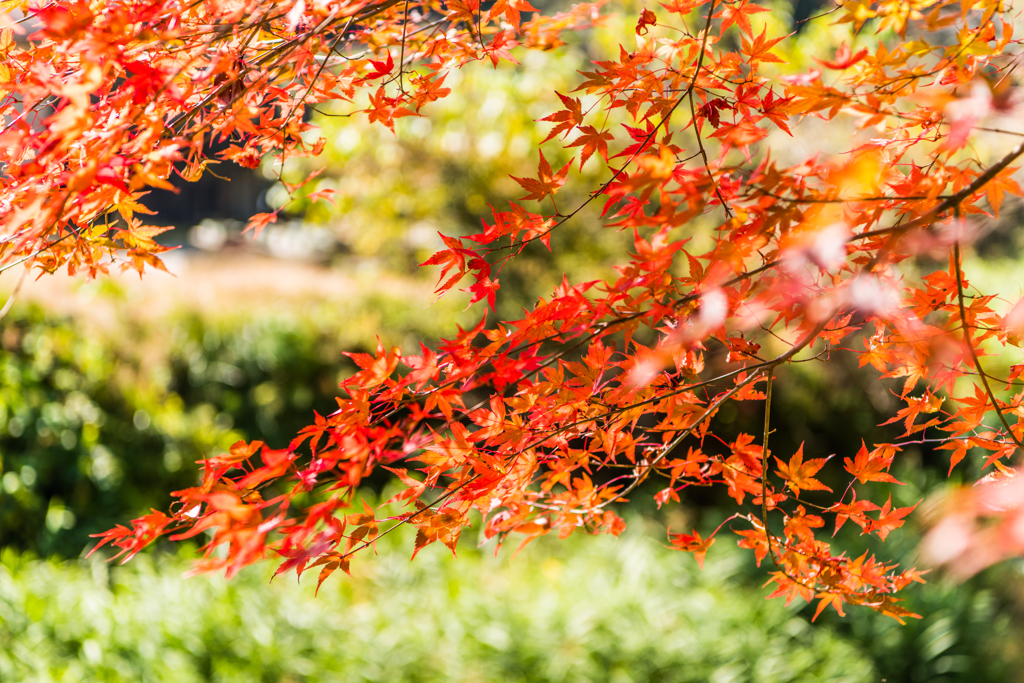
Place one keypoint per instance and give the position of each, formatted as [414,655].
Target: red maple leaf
[693,544]
[872,466]
[546,183]
[844,59]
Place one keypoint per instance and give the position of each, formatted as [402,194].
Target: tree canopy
[779,215]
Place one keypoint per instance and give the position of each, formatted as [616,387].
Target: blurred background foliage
[107,400]
[444,172]
[96,427]
[93,436]
[594,609]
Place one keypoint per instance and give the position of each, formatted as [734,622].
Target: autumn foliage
[547,423]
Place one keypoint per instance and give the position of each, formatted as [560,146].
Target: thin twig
[704,155]
[764,463]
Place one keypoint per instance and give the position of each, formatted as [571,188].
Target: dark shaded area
[1003,238]
[805,9]
[236,195]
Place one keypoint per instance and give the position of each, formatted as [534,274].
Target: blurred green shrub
[588,609]
[99,426]
[90,436]
[78,451]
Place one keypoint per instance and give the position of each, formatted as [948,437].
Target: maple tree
[742,263]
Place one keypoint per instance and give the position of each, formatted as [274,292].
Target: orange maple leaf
[872,466]
[592,141]
[799,474]
[511,9]
[854,510]
[739,14]
[888,520]
[756,540]
[758,50]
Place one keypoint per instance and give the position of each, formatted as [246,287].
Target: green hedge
[95,429]
[77,451]
[100,420]
[92,434]
[588,609]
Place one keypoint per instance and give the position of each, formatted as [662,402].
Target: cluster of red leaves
[102,99]
[544,423]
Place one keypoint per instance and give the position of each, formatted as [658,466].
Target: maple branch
[320,70]
[940,67]
[952,202]
[407,519]
[759,371]
[764,463]
[621,409]
[602,328]
[667,448]
[997,130]
[973,352]
[401,54]
[756,370]
[41,249]
[845,200]
[839,6]
[764,494]
[982,180]
[281,50]
[45,102]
